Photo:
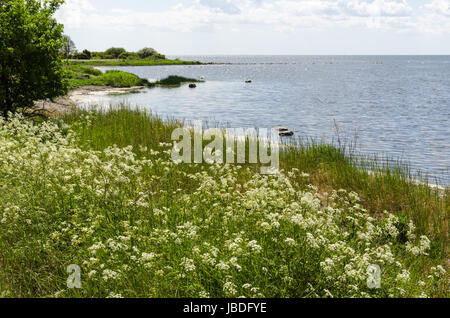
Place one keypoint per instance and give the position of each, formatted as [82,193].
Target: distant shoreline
[132,62]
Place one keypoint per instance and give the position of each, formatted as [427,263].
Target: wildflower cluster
[148,227]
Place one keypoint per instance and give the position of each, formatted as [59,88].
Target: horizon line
[234,54]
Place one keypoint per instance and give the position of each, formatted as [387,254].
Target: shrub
[114,52]
[85,55]
[98,55]
[173,80]
[133,56]
[146,52]
[124,55]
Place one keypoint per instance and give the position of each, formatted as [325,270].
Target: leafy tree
[97,55]
[132,56]
[146,52]
[85,55]
[124,55]
[30,61]
[115,52]
[69,47]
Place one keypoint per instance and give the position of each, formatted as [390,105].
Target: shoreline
[65,104]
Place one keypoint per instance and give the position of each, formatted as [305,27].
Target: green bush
[124,55]
[146,52]
[85,55]
[133,56]
[98,55]
[114,52]
[173,80]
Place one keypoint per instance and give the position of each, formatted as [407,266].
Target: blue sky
[195,27]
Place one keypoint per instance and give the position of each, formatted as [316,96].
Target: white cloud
[436,17]
[226,6]
[441,7]
[281,15]
[73,12]
[376,8]
[178,18]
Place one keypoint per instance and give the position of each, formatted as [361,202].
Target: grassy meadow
[99,189]
[79,76]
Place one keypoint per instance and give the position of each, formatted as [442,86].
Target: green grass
[100,190]
[83,70]
[79,76]
[121,79]
[382,183]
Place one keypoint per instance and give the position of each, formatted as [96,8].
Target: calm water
[396,106]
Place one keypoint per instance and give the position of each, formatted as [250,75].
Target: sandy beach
[80,95]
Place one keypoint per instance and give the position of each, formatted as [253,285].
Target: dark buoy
[286,133]
[192,86]
[248,81]
[283,131]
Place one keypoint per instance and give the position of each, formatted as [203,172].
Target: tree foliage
[85,55]
[115,52]
[146,52]
[30,59]
[69,47]
[150,52]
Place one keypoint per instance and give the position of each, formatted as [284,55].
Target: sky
[261,27]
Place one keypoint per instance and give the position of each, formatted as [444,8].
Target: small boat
[248,81]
